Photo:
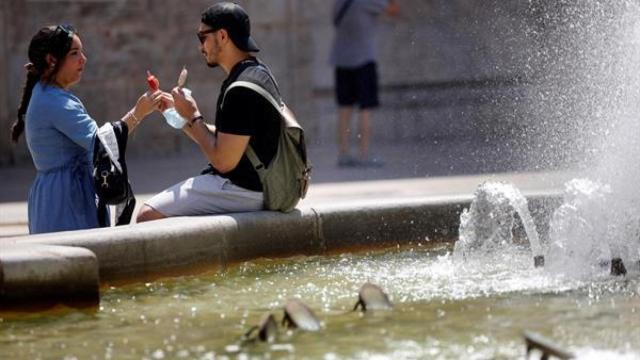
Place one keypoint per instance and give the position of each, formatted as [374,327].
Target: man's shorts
[205,195]
[357,86]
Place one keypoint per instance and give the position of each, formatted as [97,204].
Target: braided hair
[51,40]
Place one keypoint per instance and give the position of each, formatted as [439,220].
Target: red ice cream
[153,82]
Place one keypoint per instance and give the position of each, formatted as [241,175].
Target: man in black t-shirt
[243,117]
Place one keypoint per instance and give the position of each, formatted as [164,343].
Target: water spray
[489,221]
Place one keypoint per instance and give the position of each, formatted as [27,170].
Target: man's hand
[185,106]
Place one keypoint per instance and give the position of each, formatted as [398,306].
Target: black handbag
[110,177]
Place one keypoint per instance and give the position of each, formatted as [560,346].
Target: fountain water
[582,111]
[592,231]
[490,220]
[593,228]
[585,102]
[583,98]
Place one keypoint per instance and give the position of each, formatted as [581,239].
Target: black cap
[233,18]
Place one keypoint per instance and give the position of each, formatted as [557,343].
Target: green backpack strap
[255,161]
[287,178]
[257,88]
[251,154]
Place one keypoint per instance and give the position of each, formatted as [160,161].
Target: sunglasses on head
[202,35]
[62,39]
[65,30]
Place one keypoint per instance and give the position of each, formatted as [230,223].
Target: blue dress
[60,136]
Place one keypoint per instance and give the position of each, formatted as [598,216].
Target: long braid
[46,41]
[18,126]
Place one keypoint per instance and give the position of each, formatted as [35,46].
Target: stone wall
[5,103]
[438,52]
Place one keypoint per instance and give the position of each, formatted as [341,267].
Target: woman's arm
[145,105]
[70,118]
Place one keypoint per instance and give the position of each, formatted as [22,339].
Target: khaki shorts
[206,195]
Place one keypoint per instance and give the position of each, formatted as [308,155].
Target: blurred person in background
[353,56]
[60,133]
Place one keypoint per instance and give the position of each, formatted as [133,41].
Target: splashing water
[585,102]
[582,111]
[591,228]
[578,230]
[488,224]
[584,96]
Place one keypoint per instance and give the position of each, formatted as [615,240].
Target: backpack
[286,179]
[110,178]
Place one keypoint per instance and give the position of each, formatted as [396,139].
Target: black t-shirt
[247,113]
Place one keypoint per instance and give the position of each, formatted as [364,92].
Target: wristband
[193,121]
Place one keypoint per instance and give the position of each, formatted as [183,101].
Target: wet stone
[299,315]
[372,297]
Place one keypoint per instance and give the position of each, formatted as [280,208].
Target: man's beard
[211,64]
[216,51]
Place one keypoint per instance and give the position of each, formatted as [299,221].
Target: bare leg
[147,213]
[344,115]
[365,133]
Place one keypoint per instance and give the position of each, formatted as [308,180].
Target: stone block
[170,246]
[274,235]
[44,275]
[371,225]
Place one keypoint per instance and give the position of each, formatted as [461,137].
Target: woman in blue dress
[60,133]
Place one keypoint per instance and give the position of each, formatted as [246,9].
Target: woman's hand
[186,106]
[166,101]
[147,103]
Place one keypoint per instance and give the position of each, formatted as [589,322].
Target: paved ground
[410,170]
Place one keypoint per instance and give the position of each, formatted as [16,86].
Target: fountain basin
[184,245]
[442,310]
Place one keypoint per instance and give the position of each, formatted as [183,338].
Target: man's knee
[147,213]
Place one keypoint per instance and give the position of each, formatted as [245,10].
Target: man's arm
[223,150]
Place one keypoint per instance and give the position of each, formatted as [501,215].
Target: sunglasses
[65,31]
[62,39]
[202,35]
